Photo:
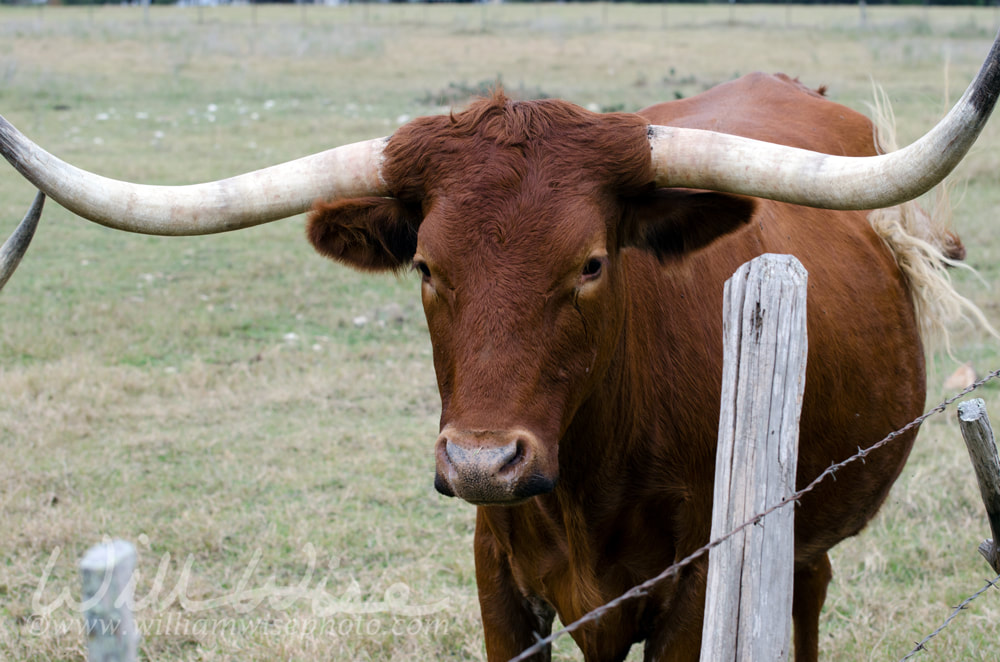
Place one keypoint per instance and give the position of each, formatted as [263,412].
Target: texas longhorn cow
[572,267]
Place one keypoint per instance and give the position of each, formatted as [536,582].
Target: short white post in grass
[978,435]
[106,571]
[748,607]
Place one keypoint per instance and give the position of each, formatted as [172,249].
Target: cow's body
[501,227]
[654,503]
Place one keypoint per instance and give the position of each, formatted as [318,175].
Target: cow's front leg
[677,631]
[511,621]
[807,602]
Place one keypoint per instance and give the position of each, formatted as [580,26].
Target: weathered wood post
[978,435]
[749,600]
[106,570]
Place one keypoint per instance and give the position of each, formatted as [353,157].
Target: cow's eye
[593,268]
[422,268]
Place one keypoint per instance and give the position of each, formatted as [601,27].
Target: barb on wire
[965,603]
[643,588]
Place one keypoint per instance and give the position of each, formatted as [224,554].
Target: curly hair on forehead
[610,147]
[510,122]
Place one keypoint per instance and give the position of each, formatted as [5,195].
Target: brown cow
[576,321]
[573,296]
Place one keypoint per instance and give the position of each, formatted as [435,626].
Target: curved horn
[703,159]
[13,249]
[229,204]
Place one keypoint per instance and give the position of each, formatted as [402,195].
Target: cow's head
[514,215]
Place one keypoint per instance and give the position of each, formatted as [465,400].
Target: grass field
[220,401]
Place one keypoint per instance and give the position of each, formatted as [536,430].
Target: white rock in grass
[393,313]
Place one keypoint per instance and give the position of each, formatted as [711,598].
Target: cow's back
[774,108]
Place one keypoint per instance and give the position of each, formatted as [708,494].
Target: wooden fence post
[106,570]
[749,600]
[982,447]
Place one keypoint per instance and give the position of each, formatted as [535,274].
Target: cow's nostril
[517,456]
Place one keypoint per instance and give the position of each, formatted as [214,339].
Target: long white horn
[13,249]
[703,159]
[229,204]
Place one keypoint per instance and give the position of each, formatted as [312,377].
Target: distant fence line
[922,18]
[937,3]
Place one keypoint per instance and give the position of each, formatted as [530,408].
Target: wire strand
[965,603]
[644,587]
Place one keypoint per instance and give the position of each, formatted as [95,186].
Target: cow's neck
[613,459]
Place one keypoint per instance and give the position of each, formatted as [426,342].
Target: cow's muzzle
[489,467]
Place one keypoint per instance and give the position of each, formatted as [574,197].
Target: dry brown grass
[213,401]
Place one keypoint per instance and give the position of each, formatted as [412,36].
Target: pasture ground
[218,400]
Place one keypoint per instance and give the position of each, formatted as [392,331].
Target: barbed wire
[643,588]
[965,603]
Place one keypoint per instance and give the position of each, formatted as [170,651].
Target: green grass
[212,399]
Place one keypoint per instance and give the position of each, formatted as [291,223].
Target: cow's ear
[371,234]
[672,222]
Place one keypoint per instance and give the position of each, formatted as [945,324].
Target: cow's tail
[925,248]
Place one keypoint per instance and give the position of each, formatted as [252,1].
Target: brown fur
[575,316]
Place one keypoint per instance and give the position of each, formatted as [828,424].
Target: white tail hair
[924,246]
